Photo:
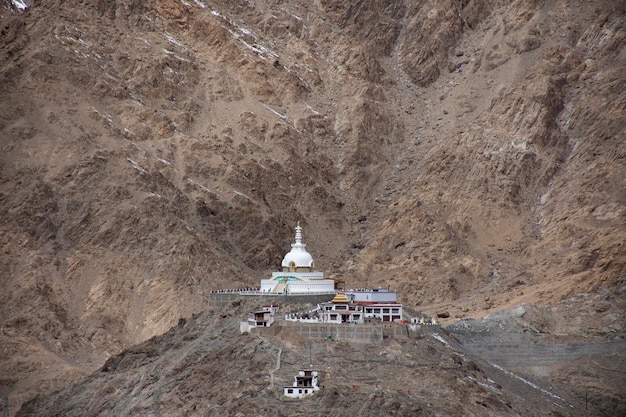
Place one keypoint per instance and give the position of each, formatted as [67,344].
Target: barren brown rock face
[152,151]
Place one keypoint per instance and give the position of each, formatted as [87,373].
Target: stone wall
[223,299]
[353,333]
[540,353]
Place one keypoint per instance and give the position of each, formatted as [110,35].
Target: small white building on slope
[263,317]
[297,275]
[305,383]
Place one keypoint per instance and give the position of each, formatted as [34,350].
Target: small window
[289,391]
[377,311]
[300,392]
[385,311]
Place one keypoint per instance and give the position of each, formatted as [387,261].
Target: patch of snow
[275,112]
[240,32]
[164,161]
[21,5]
[112,77]
[241,194]
[484,384]
[285,118]
[200,3]
[136,166]
[208,190]
[105,116]
[441,339]
[526,382]
[312,109]
[173,40]
[522,146]
[260,50]
[139,148]
[572,153]
[180,58]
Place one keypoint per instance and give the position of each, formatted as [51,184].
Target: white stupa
[297,275]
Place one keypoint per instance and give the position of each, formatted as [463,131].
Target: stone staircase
[279,288]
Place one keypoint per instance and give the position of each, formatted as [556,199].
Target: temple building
[264,317]
[305,383]
[357,306]
[354,306]
[298,275]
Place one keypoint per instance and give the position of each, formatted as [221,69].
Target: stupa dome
[298,257]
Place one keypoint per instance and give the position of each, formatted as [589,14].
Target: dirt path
[278,360]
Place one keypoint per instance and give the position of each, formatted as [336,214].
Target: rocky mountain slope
[175,374]
[470,154]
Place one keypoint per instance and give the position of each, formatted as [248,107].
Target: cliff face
[506,193]
[153,151]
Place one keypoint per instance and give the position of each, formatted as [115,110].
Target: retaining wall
[353,333]
[540,353]
[222,299]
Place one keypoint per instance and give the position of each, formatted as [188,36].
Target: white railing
[259,292]
[293,317]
